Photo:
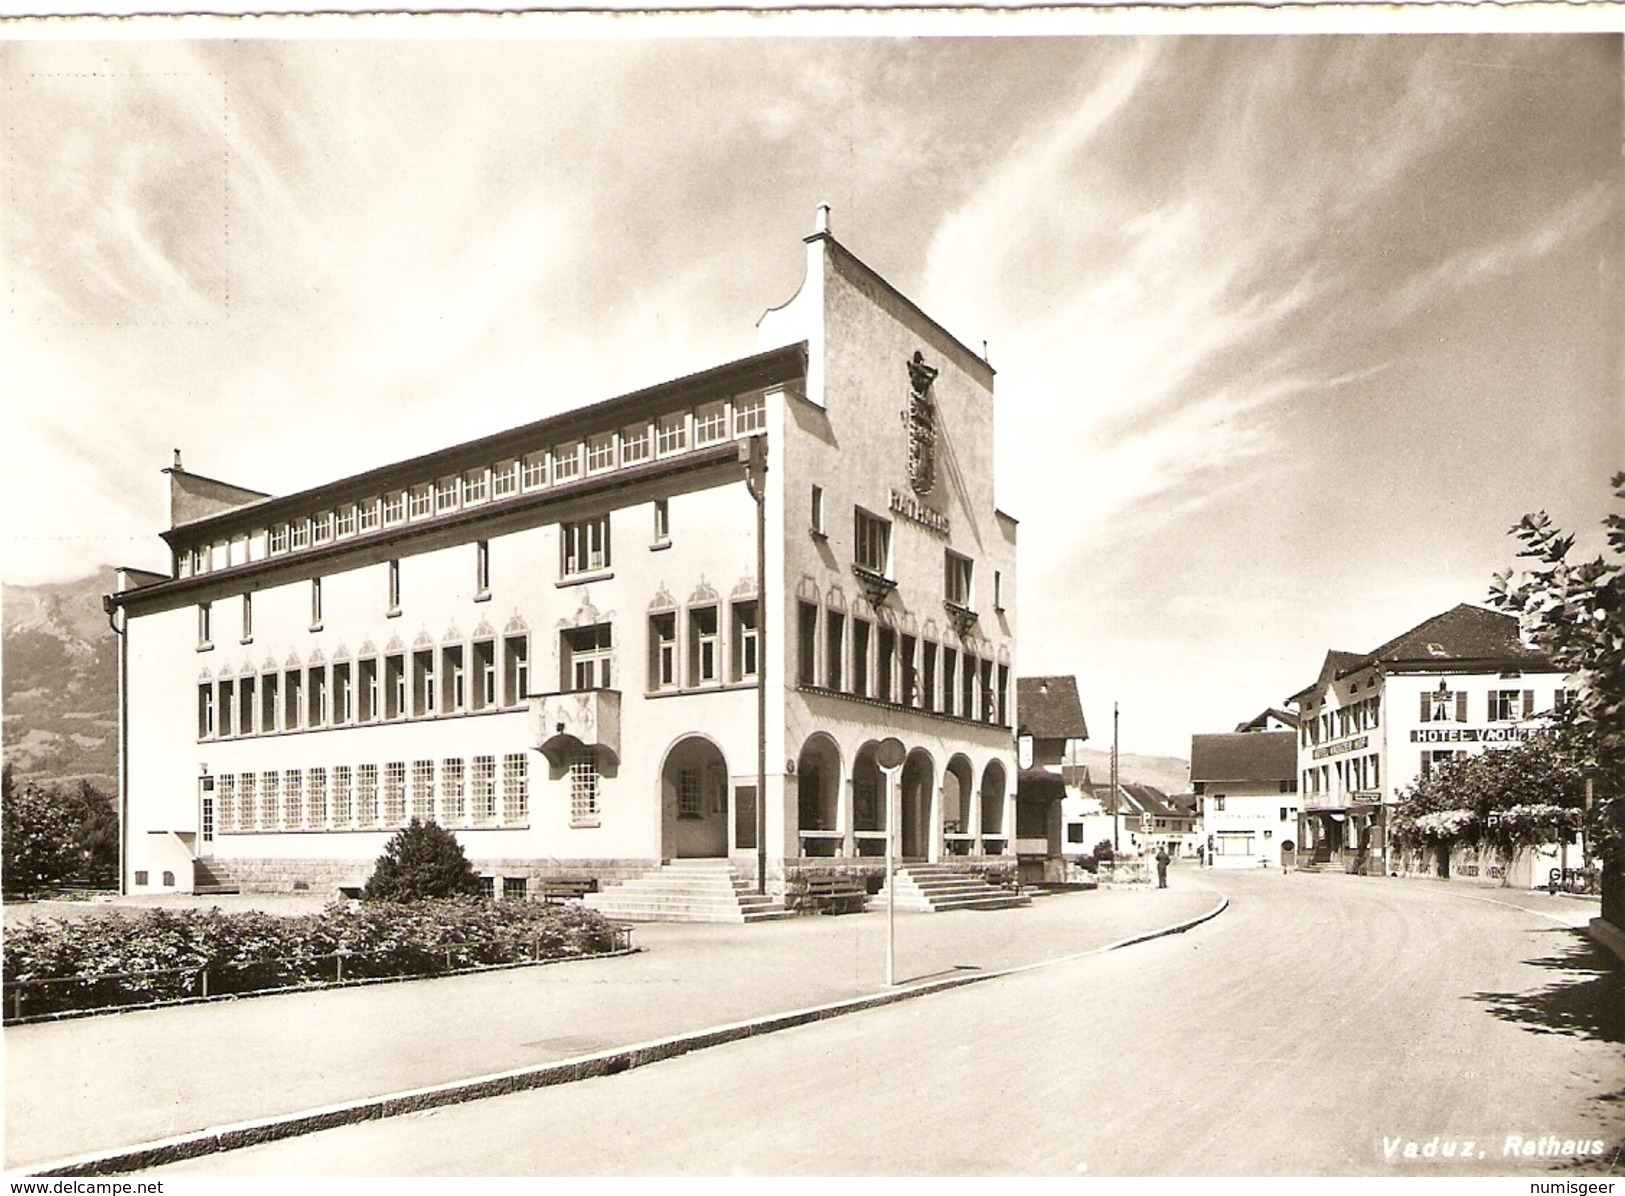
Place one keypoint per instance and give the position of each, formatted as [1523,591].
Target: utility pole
[1115,818]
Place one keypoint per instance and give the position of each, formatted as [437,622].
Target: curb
[611,1062]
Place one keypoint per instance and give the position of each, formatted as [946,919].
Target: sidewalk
[95,1085]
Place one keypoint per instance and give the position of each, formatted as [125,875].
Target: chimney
[176,464]
[821,220]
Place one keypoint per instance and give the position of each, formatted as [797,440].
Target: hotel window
[395,793]
[293,798]
[227,695]
[860,657]
[662,520]
[516,669]
[248,808]
[422,682]
[817,512]
[392,587]
[835,654]
[485,675]
[505,479]
[566,462]
[270,801]
[515,787]
[750,415]
[807,643]
[601,452]
[711,423]
[227,813]
[299,533]
[1432,759]
[482,569]
[453,799]
[344,521]
[1441,705]
[956,578]
[395,508]
[690,803]
[871,542]
[445,494]
[534,473]
[671,433]
[246,704]
[316,797]
[293,705]
[585,656]
[343,693]
[474,486]
[702,645]
[316,696]
[584,546]
[366,795]
[746,642]
[269,696]
[343,798]
[394,686]
[483,788]
[453,691]
[663,651]
[420,501]
[205,710]
[584,790]
[423,790]
[634,444]
[321,528]
[366,709]
[910,692]
[315,604]
[367,515]
[885,662]
[1218,802]
[279,538]
[1508,704]
[248,618]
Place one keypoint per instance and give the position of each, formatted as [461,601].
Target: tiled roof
[1463,632]
[1049,707]
[1037,784]
[1245,756]
[1261,720]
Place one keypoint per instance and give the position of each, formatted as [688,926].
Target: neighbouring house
[1246,782]
[1137,821]
[1052,728]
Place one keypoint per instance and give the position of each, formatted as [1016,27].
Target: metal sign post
[889,756]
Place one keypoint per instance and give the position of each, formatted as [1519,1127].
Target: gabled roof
[1261,721]
[1049,707]
[1244,756]
[1462,633]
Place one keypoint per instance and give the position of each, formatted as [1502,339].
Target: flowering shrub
[161,954]
[1445,826]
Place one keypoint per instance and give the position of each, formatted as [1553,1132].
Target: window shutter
[1461,707]
[1427,706]
[1557,700]
[1528,703]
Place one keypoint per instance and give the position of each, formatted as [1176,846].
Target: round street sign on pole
[890,754]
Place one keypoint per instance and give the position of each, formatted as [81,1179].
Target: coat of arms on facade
[922,426]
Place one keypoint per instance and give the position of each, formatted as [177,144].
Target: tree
[96,833]
[36,838]
[1575,614]
[421,860]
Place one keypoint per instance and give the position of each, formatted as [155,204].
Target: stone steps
[933,888]
[686,891]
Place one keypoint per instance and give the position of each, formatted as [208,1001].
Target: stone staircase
[686,891]
[211,877]
[931,888]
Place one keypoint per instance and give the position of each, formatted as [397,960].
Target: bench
[553,889]
[834,895]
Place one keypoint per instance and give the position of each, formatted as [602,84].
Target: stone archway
[694,800]
[868,802]
[818,796]
[992,802]
[917,782]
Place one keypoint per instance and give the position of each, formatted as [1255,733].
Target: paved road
[1317,1028]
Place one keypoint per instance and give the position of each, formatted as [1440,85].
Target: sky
[1289,330]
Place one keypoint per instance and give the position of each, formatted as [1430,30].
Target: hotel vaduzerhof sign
[921,419]
[1470,734]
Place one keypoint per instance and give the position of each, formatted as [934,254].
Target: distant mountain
[1167,773]
[59,682]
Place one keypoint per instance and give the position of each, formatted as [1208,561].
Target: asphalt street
[1324,1025]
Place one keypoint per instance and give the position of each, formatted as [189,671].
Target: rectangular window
[690,803]
[270,801]
[453,684]
[269,695]
[534,470]
[998,590]
[482,568]
[293,700]
[584,655]
[663,650]
[248,808]
[702,646]
[1432,759]
[315,603]
[247,704]
[423,790]
[474,486]
[746,642]
[367,515]
[227,707]
[634,444]
[967,686]
[584,546]
[488,888]
[483,788]
[366,795]
[420,501]
[205,624]
[909,673]
[366,691]
[566,462]
[343,797]
[584,790]
[1509,704]
[392,587]
[344,520]
[395,793]
[860,657]
[950,671]
[989,704]
[515,788]
[711,423]
[395,508]
[227,812]
[299,533]
[485,675]
[343,693]
[321,528]
[248,617]
[956,578]
[316,798]
[453,799]
[516,669]
[807,643]
[394,686]
[662,520]
[816,514]
[316,710]
[885,662]
[514,888]
[293,798]
[205,710]
[601,452]
[446,494]
[671,434]
[835,654]
[279,538]
[422,682]
[750,415]
[1004,695]
[505,479]
[871,542]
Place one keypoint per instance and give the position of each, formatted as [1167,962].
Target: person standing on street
[1162,867]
